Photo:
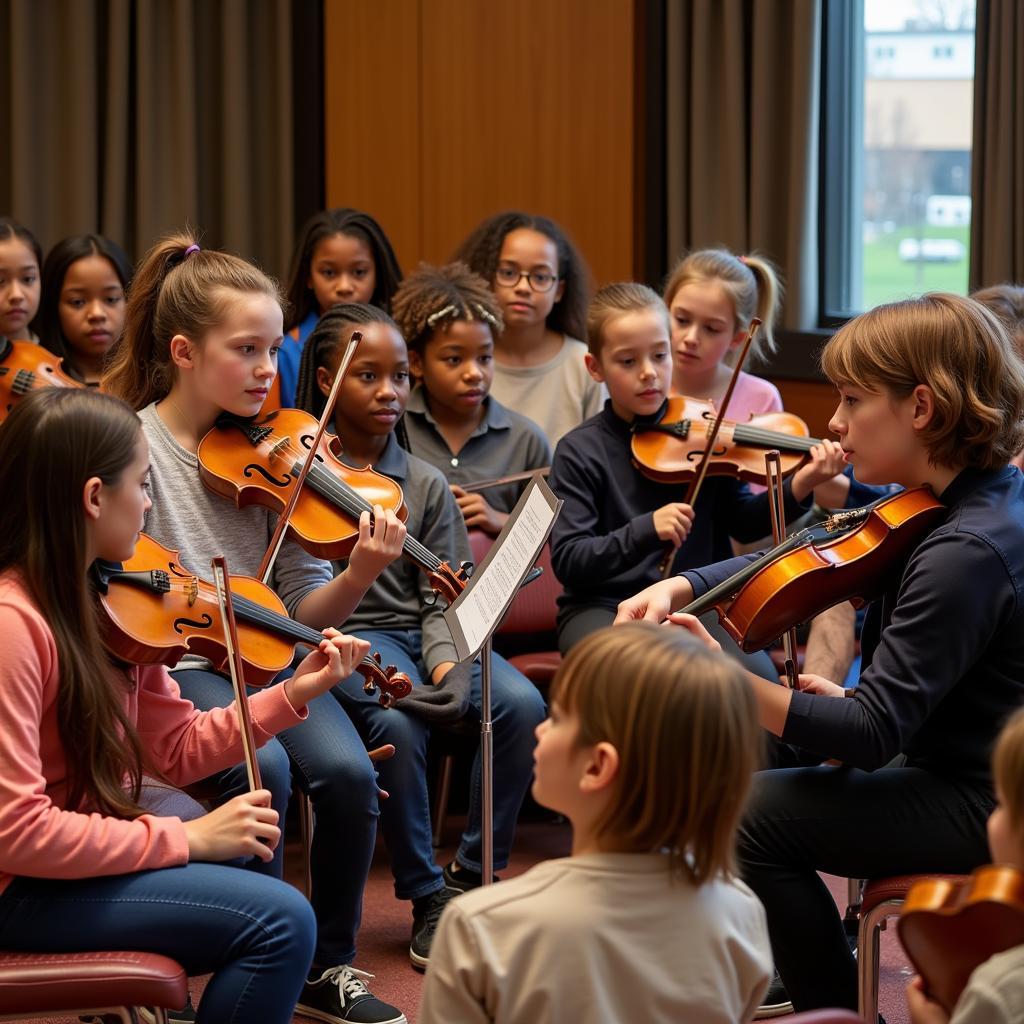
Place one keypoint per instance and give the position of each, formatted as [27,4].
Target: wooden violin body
[24,367]
[949,928]
[158,612]
[788,587]
[671,449]
[259,463]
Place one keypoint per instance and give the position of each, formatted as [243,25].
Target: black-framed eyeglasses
[538,280]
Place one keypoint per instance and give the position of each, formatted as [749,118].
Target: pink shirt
[38,836]
[751,397]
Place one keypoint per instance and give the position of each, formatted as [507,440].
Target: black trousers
[852,823]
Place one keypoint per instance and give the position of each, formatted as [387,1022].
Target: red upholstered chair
[881,899]
[825,1017]
[89,984]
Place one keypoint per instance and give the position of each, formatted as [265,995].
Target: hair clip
[440,315]
[485,314]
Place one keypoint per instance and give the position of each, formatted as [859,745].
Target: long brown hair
[54,440]
[177,289]
[684,723]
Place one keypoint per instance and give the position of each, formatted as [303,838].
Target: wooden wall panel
[525,105]
[371,113]
[813,401]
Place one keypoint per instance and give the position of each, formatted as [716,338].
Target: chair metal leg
[868,956]
[306,826]
[444,785]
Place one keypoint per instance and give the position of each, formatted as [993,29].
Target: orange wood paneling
[469,108]
[813,401]
[371,109]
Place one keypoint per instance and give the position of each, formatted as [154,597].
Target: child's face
[457,366]
[376,388]
[122,508]
[19,287]
[524,251]
[703,327]
[879,435]
[558,761]
[236,361]
[1005,846]
[91,306]
[635,362]
[341,269]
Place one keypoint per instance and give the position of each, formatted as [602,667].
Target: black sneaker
[776,1002]
[463,879]
[426,912]
[339,996]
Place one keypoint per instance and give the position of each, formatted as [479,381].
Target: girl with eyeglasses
[540,281]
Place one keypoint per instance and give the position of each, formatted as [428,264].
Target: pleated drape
[133,117]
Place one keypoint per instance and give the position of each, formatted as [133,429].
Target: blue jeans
[331,766]
[517,709]
[255,934]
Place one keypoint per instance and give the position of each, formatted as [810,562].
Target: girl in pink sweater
[82,865]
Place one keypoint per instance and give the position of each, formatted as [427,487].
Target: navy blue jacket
[942,649]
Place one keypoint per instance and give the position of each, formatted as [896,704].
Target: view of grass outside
[887,277]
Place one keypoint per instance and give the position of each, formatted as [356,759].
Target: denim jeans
[517,709]
[255,934]
[329,761]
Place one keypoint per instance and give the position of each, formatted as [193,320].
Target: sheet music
[478,610]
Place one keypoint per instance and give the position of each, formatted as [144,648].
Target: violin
[158,611]
[259,463]
[851,556]
[949,927]
[24,367]
[670,448]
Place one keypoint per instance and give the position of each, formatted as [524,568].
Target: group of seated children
[694,876]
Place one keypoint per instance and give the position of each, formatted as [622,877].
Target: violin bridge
[280,446]
[192,590]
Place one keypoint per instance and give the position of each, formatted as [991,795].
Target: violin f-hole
[204,623]
[281,482]
[695,456]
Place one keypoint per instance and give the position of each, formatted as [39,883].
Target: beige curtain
[133,117]
[742,135]
[997,159]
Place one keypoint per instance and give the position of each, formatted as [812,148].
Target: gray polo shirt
[400,597]
[505,442]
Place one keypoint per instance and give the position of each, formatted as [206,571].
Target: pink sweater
[38,837]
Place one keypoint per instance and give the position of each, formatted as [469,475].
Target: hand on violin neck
[656,602]
[381,541]
[334,660]
[810,683]
[826,461]
[696,629]
[673,522]
[477,513]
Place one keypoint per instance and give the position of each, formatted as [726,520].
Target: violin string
[350,501]
[774,438]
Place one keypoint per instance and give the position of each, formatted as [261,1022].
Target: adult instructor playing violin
[930,393]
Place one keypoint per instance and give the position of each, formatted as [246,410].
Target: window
[897,122]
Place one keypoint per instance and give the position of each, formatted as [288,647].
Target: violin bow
[227,614]
[270,555]
[501,481]
[776,503]
[705,459]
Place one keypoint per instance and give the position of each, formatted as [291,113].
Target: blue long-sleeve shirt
[942,649]
[604,547]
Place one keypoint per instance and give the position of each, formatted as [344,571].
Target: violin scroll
[392,684]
